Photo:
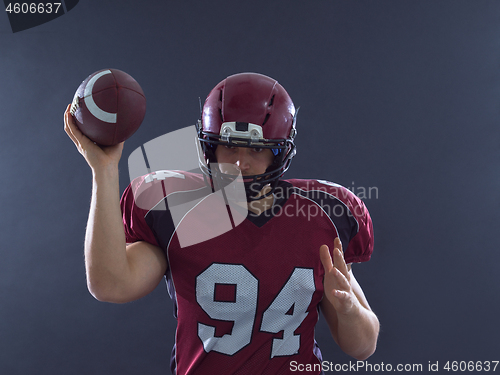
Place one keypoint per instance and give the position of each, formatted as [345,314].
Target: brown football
[109,106]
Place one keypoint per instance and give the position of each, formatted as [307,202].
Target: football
[109,106]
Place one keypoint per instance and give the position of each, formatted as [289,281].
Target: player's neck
[258,206]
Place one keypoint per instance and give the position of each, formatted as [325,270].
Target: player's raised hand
[337,282]
[95,155]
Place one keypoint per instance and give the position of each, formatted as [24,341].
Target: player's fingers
[69,123]
[341,280]
[326,259]
[66,120]
[338,258]
[69,131]
[80,140]
[339,262]
[337,244]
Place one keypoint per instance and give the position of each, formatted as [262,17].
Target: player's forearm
[357,332]
[105,247]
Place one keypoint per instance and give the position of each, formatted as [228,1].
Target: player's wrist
[105,172]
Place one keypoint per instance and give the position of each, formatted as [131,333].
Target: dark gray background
[399,95]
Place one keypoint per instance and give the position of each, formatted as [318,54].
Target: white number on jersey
[288,310]
[286,313]
[242,312]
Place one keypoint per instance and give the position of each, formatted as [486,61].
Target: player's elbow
[98,292]
[104,293]
[365,346]
[365,354]
[361,351]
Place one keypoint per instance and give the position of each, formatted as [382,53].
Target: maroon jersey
[246,288]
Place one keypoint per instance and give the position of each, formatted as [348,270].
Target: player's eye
[258,149]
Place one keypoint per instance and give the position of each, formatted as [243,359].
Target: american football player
[247,299]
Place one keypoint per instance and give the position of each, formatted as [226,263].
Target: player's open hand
[337,282]
[95,155]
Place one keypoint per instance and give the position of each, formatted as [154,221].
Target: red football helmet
[249,110]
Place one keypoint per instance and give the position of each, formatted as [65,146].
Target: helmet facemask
[283,151]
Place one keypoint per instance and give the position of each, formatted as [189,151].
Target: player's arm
[115,272]
[352,323]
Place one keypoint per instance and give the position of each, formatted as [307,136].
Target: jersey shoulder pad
[145,193]
[360,247]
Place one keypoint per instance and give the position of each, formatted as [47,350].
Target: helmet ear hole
[220,106]
[269,106]
[267,118]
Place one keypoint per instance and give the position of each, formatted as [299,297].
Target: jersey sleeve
[136,228]
[360,245]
